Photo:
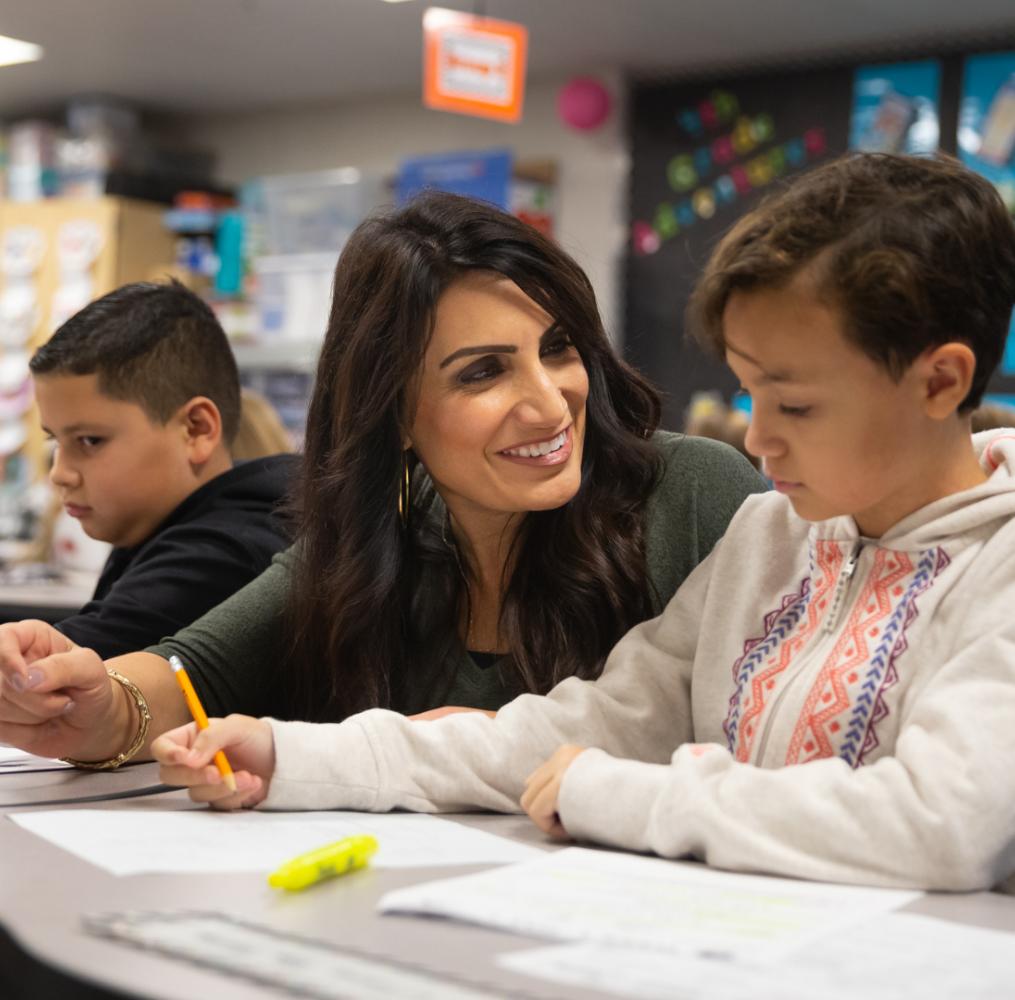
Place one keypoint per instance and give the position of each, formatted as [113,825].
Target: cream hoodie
[885,666]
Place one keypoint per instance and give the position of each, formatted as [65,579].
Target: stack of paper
[633,901]
[895,956]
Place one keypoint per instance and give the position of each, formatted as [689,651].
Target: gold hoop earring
[403,491]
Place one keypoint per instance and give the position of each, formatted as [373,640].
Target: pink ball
[584,103]
[644,239]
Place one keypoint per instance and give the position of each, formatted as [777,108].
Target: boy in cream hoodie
[831,694]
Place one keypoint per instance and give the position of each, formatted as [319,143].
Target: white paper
[898,956]
[632,901]
[13,760]
[125,842]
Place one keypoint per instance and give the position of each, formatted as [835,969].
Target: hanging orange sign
[473,65]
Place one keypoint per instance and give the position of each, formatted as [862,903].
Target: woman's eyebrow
[463,352]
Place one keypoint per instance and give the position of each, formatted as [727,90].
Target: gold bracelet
[142,730]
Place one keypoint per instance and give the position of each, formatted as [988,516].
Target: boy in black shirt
[140,392]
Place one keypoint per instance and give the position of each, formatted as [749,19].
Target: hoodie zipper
[841,589]
[832,619]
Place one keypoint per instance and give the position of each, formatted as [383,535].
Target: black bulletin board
[813,104]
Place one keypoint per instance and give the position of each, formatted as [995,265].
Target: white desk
[51,601]
[44,891]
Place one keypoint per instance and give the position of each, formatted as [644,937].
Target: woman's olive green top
[235,653]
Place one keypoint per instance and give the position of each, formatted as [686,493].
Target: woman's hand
[186,756]
[542,789]
[56,699]
[439,713]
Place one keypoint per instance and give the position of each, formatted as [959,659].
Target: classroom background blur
[235,145]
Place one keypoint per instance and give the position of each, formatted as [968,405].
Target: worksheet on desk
[17,761]
[629,900]
[126,842]
[894,956]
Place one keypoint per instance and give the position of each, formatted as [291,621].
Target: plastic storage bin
[294,295]
[316,212]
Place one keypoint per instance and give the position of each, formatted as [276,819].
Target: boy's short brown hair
[151,344]
[913,251]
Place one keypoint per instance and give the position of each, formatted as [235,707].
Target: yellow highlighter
[197,711]
[345,855]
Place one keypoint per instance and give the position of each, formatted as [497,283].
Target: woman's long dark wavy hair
[363,628]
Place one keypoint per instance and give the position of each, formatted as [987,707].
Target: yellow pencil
[197,710]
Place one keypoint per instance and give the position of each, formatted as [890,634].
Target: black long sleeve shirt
[221,537]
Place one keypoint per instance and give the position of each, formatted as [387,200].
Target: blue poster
[484,175]
[986,136]
[1008,361]
[895,108]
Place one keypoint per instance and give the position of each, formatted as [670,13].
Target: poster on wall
[986,137]
[895,108]
[485,175]
[474,65]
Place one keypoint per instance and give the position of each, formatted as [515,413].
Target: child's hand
[542,789]
[186,758]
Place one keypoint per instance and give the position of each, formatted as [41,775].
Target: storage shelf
[294,355]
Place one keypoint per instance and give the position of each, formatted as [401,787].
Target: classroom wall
[807,113]
[375,135]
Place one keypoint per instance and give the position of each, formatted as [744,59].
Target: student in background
[61,541]
[991,416]
[261,431]
[140,393]
[708,416]
[486,506]
[830,695]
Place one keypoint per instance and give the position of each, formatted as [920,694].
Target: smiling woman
[486,503]
[461,343]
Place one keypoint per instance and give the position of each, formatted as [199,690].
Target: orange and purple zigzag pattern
[785,631]
[846,700]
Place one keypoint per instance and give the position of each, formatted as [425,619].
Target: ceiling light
[13,50]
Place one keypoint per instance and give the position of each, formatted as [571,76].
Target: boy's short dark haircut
[151,344]
[913,251]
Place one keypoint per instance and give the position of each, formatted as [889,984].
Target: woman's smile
[549,451]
